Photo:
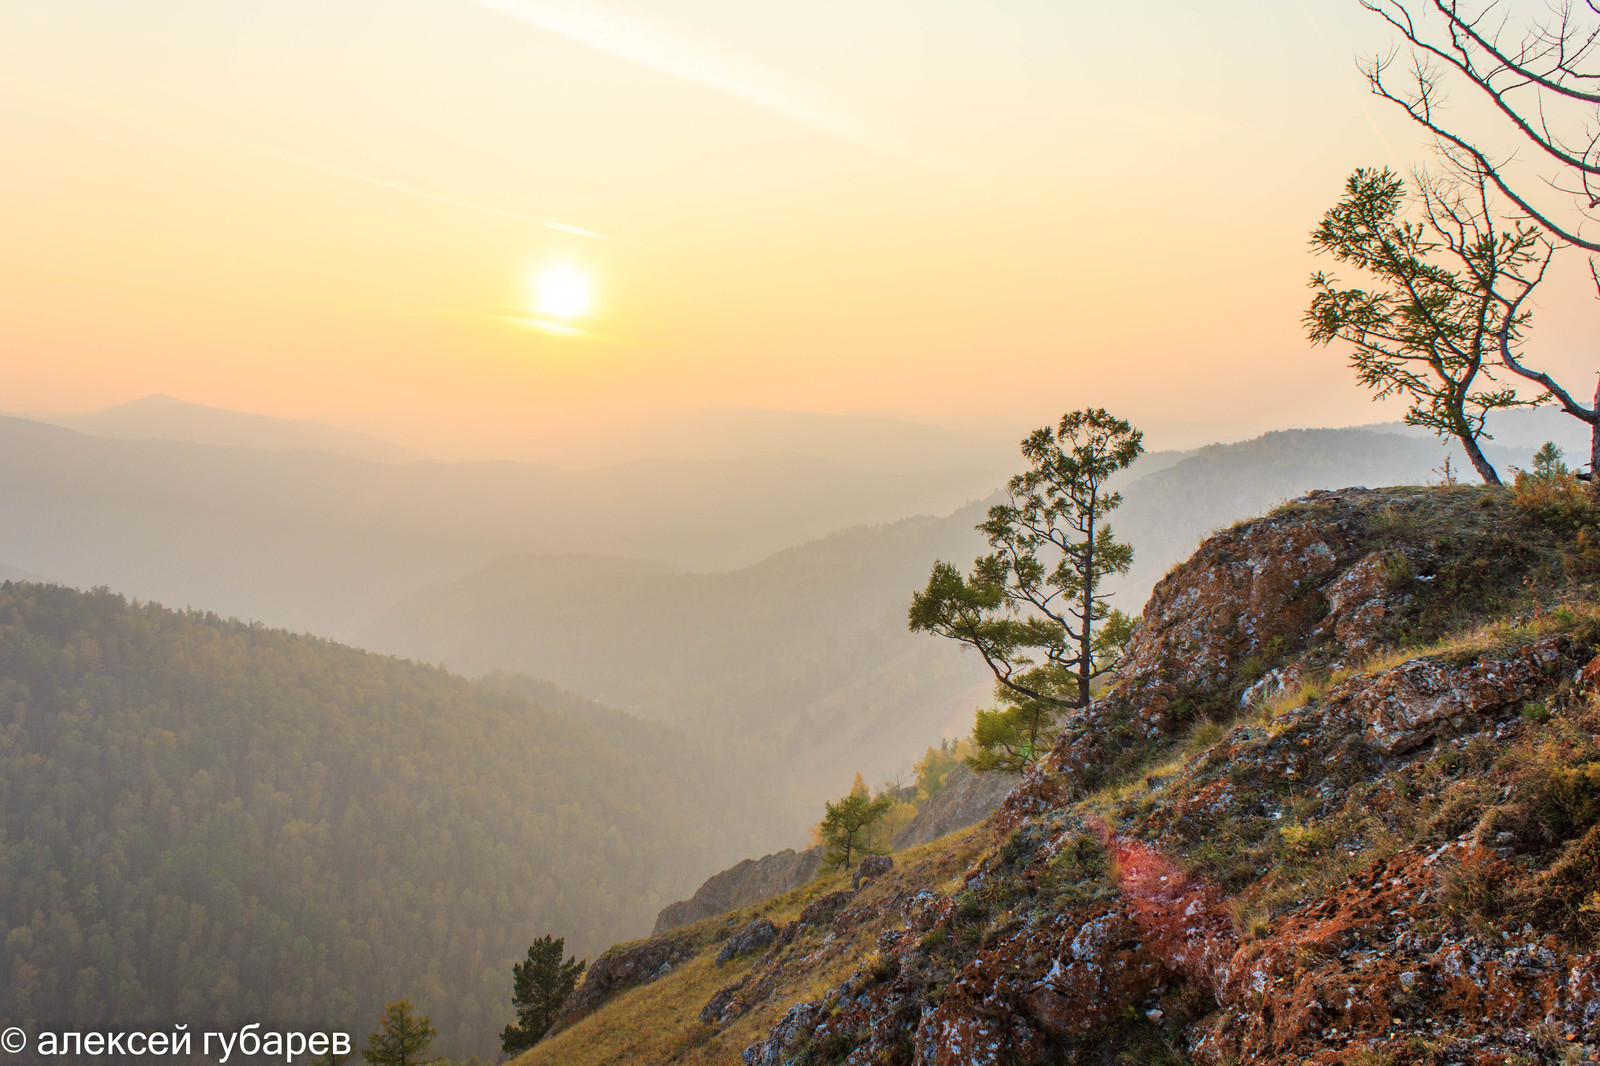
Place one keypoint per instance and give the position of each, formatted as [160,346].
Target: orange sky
[940,210]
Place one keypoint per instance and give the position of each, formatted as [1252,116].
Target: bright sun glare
[562,292]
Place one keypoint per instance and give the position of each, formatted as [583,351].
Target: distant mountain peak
[162,417]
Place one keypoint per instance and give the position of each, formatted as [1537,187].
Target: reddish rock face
[1364,952]
[1278,585]
[1243,587]
[1358,601]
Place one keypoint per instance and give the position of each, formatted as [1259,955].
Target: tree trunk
[1085,647]
[1479,463]
[1594,444]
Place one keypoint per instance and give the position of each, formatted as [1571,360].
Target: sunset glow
[830,208]
[472,471]
[562,291]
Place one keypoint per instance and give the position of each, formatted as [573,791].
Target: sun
[562,291]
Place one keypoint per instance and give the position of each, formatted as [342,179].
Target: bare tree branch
[1556,61]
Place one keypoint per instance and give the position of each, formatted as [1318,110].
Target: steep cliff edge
[965,799]
[743,885]
[1342,805]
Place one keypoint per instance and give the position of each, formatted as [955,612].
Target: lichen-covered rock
[870,867]
[1358,600]
[723,1006]
[1095,972]
[752,938]
[787,1038]
[1244,587]
[1403,707]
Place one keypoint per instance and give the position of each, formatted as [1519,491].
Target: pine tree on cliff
[1428,332]
[1033,607]
[540,985]
[401,1039]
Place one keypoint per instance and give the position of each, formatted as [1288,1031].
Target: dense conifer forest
[210,822]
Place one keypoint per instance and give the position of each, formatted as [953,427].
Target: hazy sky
[937,208]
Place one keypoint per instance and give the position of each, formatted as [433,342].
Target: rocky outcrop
[1258,609]
[1364,952]
[1359,601]
[819,910]
[623,967]
[1344,968]
[1404,707]
[1353,967]
[1300,827]
[750,882]
[1245,587]
[870,867]
[967,798]
[754,937]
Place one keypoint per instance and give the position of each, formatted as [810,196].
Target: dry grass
[1305,855]
[654,1023]
[659,1022]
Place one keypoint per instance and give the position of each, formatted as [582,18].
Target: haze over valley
[685,533]
[757,598]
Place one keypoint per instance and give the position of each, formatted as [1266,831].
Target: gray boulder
[870,867]
[967,798]
[752,938]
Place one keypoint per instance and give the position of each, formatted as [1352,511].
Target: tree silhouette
[1431,327]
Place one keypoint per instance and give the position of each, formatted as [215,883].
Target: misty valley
[685,533]
[215,818]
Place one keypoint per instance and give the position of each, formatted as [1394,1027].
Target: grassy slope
[659,1022]
[1505,570]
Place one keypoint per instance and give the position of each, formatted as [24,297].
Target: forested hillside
[215,823]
